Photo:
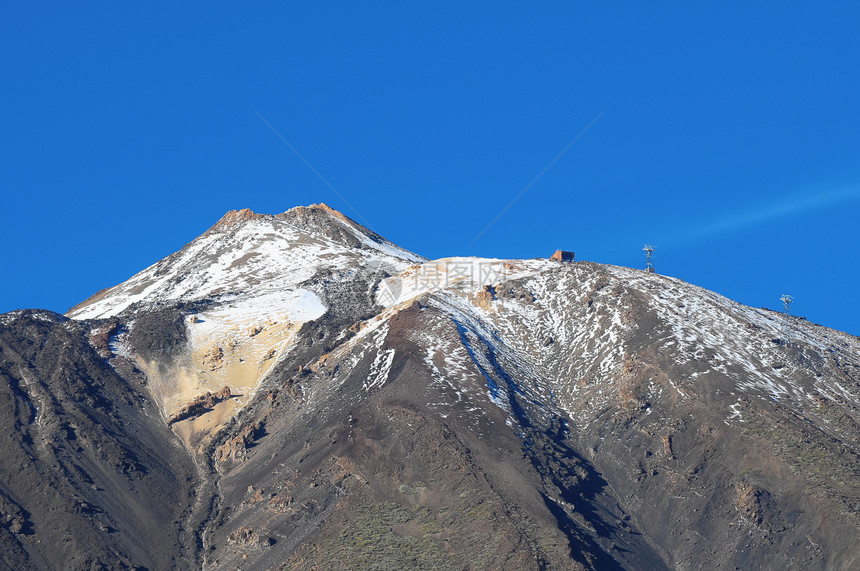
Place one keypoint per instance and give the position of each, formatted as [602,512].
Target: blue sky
[726,135]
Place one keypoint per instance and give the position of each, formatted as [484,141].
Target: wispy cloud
[791,206]
[794,205]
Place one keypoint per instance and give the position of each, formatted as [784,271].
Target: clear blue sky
[729,135]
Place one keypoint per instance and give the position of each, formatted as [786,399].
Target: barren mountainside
[296,392]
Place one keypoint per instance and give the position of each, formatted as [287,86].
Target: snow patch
[379,370]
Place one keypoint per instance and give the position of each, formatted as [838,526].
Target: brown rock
[256,498]
[485,297]
[200,405]
[235,449]
[100,338]
[235,217]
[214,358]
[244,536]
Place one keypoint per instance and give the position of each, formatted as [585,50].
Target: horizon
[726,136]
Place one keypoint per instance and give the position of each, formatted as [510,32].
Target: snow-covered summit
[247,254]
[255,272]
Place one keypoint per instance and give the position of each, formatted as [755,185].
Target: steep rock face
[89,477]
[330,401]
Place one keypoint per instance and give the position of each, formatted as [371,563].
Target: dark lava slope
[385,480]
[90,476]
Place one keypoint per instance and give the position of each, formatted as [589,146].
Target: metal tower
[649,258]
[786,300]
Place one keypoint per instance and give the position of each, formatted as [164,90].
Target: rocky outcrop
[101,335]
[213,359]
[236,447]
[485,296]
[233,218]
[199,405]
[247,537]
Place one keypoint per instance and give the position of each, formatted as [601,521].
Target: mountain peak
[250,254]
[235,217]
[315,214]
[321,207]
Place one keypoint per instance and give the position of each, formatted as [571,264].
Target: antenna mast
[786,300]
[649,258]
